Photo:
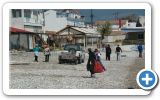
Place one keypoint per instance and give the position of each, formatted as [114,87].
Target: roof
[13,29]
[81,30]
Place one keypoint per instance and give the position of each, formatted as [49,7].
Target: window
[141,36]
[27,13]
[16,13]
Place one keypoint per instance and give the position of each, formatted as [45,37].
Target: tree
[104,29]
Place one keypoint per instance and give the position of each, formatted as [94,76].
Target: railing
[38,31]
[32,21]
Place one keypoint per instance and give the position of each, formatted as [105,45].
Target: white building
[135,31]
[133,24]
[56,20]
[27,19]
[25,26]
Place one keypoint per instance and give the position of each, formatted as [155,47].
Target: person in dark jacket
[140,49]
[118,51]
[90,63]
[108,52]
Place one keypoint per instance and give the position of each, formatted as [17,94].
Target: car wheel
[60,62]
[82,60]
[79,61]
[76,62]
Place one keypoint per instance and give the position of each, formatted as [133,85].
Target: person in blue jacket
[140,49]
[36,52]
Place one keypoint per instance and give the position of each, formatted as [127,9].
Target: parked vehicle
[73,53]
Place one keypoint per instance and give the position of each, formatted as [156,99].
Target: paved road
[26,74]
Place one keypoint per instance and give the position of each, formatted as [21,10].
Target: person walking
[98,58]
[47,53]
[118,51]
[108,52]
[140,49]
[90,63]
[36,52]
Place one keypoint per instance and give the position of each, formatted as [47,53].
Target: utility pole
[91,16]
[117,15]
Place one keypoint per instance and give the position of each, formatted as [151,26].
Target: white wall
[17,23]
[130,24]
[130,48]
[113,38]
[142,20]
[52,23]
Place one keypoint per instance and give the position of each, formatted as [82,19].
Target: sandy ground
[27,74]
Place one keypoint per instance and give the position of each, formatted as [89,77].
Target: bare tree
[104,29]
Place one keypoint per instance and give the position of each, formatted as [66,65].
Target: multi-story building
[135,31]
[30,20]
[25,27]
[56,20]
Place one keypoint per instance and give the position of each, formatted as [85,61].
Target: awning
[12,29]
[132,30]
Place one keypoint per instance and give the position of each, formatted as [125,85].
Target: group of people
[95,57]
[93,60]
[46,50]
[119,51]
[109,51]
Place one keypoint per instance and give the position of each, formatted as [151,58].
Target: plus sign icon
[147,79]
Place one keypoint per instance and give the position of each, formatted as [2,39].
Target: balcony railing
[33,21]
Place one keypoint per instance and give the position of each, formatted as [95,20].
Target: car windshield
[75,47]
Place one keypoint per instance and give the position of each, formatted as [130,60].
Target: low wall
[127,47]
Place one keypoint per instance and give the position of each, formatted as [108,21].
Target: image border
[5,46]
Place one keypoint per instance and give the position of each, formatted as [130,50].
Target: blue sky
[108,14]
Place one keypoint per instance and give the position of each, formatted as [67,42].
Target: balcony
[33,22]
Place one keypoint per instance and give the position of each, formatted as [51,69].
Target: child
[36,51]
[47,53]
